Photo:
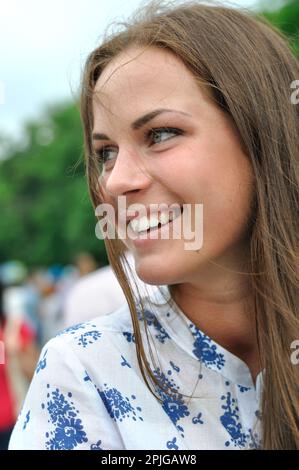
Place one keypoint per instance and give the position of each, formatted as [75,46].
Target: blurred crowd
[35,305]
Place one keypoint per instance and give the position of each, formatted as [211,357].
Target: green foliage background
[45,213]
[287,20]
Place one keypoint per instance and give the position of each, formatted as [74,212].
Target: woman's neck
[228,318]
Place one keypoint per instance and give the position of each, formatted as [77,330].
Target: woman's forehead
[149,70]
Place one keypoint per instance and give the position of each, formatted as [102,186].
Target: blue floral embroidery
[230,420]
[176,368]
[72,329]
[255,441]
[96,446]
[119,407]
[172,444]
[88,338]
[130,337]
[68,430]
[152,320]
[205,349]
[27,419]
[173,403]
[42,363]
[243,389]
[87,378]
[197,419]
[125,363]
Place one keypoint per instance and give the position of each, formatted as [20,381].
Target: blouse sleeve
[63,409]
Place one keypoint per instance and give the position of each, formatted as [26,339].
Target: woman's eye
[153,136]
[103,153]
[162,130]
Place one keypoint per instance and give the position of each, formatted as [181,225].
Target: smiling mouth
[158,227]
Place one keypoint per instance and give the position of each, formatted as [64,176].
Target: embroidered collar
[199,345]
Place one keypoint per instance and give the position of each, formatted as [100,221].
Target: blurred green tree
[46,214]
[286,19]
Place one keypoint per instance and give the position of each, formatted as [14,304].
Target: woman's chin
[154,274]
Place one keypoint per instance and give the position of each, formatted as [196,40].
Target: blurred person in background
[21,296]
[54,285]
[19,343]
[97,293]
[85,263]
[32,297]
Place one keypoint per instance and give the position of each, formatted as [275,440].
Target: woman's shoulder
[115,322]
[65,392]
[103,338]
[85,339]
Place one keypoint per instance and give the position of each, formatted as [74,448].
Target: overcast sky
[43,45]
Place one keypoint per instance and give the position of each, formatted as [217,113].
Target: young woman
[189,105]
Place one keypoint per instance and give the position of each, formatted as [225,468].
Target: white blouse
[88,392]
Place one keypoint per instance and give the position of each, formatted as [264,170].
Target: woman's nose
[127,174]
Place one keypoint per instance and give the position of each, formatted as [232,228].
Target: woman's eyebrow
[141,121]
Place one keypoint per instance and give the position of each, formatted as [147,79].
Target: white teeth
[154,221]
[138,225]
[144,223]
[164,218]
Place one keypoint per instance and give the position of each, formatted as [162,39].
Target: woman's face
[198,160]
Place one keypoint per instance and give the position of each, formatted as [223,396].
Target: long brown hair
[249,66]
